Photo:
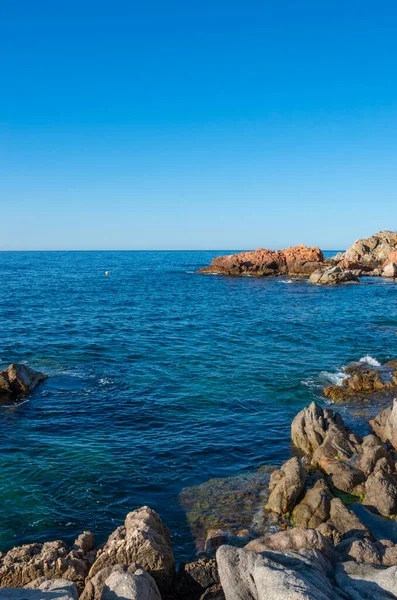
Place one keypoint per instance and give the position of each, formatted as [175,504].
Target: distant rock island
[373,256]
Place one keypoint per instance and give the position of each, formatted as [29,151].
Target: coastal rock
[194,578]
[360,550]
[372,450]
[390,270]
[249,575]
[385,425]
[285,486]
[298,539]
[24,564]
[381,489]
[315,507]
[345,521]
[143,540]
[310,426]
[126,586]
[374,250]
[363,381]
[19,380]
[297,260]
[332,276]
[361,581]
[94,586]
[48,589]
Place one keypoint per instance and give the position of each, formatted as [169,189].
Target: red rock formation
[296,260]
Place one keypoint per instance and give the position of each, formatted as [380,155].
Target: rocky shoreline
[374,256]
[327,527]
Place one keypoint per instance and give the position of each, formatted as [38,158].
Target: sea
[160,379]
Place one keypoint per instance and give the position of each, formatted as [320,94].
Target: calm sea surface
[160,379]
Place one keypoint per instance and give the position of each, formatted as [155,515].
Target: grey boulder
[126,586]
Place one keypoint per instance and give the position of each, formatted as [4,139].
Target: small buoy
[106,273]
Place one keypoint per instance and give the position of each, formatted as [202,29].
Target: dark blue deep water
[160,379]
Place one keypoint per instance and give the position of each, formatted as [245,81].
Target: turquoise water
[160,379]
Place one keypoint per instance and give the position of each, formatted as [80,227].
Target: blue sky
[173,125]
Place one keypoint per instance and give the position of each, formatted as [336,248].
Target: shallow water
[160,379]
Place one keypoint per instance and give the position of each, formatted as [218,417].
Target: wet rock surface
[18,380]
[332,276]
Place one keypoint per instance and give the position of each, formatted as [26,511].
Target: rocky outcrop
[385,425]
[381,489]
[296,260]
[19,380]
[195,578]
[374,250]
[48,589]
[24,564]
[314,508]
[363,381]
[310,427]
[332,276]
[126,586]
[143,540]
[285,486]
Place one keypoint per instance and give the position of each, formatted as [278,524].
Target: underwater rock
[230,504]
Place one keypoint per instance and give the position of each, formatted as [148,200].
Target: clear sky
[211,124]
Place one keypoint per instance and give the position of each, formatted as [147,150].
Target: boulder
[332,276]
[194,578]
[361,550]
[297,260]
[285,486]
[94,586]
[47,589]
[310,426]
[381,489]
[390,270]
[126,586]
[249,575]
[372,450]
[345,521]
[363,582]
[374,250]
[297,539]
[314,508]
[385,425]
[24,564]
[19,380]
[143,540]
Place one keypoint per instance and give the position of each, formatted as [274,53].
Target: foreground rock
[51,589]
[306,575]
[285,487]
[143,541]
[332,276]
[19,380]
[125,586]
[385,425]
[24,564]
[296,260]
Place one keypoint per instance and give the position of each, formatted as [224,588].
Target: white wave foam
[370,360]
[334,378]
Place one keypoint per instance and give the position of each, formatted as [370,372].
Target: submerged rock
[332,276]
[19,380]
[285,486]
[296,260]
[231,504]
